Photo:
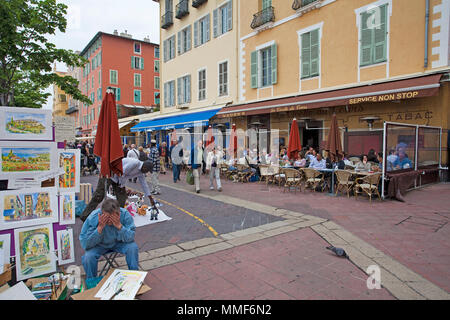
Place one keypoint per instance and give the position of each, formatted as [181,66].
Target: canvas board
[69,161]
[130,281]
[26,159]
[25,124]
[66,251]
[28,207]
[17,292]
[35,254]
[67,208]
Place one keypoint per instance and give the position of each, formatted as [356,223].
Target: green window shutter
[380,37]
[189,38]
[306,55]
[188,88]
[179,42]
[165,49]
[254,69]
[274,55]
[118,94]
[230,16]
[132,63]
[180,96]
[216,23]
[166,94]
[196,33]
[315,52]
[366,41]
[266,4]
[142,63]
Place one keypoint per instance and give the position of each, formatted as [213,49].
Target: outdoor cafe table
[332,178]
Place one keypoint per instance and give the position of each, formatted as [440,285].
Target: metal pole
[384,160]
[417,152]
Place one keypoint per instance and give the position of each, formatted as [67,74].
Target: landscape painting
[67,208]
[34,251]
[25,159]
[5,250]
[28,207]
[66,252]
[25,124]
[69,160]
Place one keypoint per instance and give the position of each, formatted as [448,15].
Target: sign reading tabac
[385,97]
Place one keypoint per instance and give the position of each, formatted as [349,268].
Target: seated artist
[109,228]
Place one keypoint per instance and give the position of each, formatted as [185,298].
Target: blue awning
[176,122]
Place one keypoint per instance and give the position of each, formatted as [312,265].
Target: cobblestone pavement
[287,259]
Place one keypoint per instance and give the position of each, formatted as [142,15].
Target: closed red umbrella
[334,145]
[209,137]
[232,148]
[108,145]
[294,146]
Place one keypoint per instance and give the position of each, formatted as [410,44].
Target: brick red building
[129,66]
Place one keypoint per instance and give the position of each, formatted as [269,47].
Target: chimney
[147,39]
[125,34]
[115,32]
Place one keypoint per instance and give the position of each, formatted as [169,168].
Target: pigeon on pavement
[338,251]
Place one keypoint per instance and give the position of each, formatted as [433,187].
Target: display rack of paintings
[28,207]
[34,251]
[69,160]
[66,208]
[25,124]
[27,159]
[66,251]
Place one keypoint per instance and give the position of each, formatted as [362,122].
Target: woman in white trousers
[213,162]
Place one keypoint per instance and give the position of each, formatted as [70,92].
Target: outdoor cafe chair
[355,160]
[224,169]
[264,173]
[368,185]
[244,173]
[279,177]
[292,179]
[313,178]
[343,181]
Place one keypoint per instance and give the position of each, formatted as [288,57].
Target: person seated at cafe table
[318,162]
[311,154]
[340,164]
[363,165]
[300,162]
[402,162]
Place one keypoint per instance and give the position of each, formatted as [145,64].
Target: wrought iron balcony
[167,20]
[198,3]
[182,9]
[303,6]
[263,17]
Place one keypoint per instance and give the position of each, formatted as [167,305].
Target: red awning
[382,92]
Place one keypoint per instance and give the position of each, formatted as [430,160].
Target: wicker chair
[343,181]
[265,173]
[313,178]
[243,172]
[355,160]
[224,170]
[273,172]
[368,185]
[292,179]
[279,177]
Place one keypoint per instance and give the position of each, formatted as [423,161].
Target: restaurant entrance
[310,133]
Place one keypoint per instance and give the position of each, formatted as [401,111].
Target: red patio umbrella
[232,148]
[294,146]
[334,145]
[209,138]
[108,145]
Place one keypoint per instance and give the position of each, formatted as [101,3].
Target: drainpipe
[427,19]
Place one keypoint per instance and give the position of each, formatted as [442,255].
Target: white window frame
[155,82]
[117,76]
[159,66]
[358,12]
[174,93]
[184,92]
[140,48]
[299,37]
[228,78]
[260,48]
[140,80]
[138,66]
[134,95]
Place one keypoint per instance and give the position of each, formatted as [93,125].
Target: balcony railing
[198,3]
[263,17]
[72,110]
[306,5]
[182,9]
[167,20]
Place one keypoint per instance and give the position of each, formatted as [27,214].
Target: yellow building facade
[367,61]
[60,98]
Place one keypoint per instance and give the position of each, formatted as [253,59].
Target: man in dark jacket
[164,156]
[176,156]
[196,161]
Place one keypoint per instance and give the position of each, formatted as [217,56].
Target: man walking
[196,161]
[176,156]
[164,155]
[132,168]
[213,163]
[154,158]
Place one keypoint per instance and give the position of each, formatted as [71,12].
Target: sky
[87,17]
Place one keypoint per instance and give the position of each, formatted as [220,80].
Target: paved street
[271,245]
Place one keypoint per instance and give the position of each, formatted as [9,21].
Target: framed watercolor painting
[25,124]
[27,159]
[28,207]
[66,251]
[69,160]
[5,250]
[35,254]
[66,208]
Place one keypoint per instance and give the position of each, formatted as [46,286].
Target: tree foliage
[26,55]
